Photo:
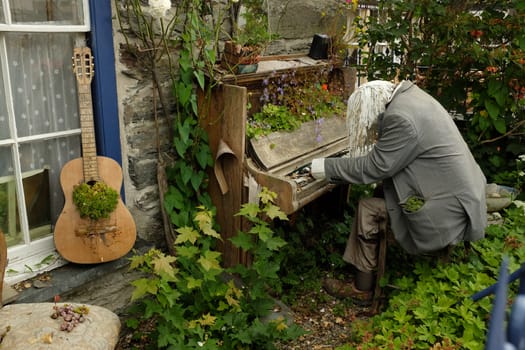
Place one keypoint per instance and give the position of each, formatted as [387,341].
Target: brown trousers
[362,246]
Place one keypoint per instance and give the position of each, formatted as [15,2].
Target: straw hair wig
[363,109]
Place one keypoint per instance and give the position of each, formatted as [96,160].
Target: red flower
[476,33]
[324,87]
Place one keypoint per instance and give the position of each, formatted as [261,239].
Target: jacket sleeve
[396,147]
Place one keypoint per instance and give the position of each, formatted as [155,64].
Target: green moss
[413,204]
[95,201]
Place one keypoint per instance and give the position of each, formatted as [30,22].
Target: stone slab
[30,326]
[9,294]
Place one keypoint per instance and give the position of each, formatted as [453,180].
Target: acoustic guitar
[81,239]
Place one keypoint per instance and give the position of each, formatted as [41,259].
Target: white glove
[317,170]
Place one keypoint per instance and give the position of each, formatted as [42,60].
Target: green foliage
[469,55]
[413,204]
[187,177]
[429,303]
[255,30]
[95,200]
[315,243]
[290,99]
[271,118]
[196,45]
[197,304]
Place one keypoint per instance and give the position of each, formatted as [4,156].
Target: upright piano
[279,161]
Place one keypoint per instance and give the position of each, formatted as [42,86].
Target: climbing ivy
[187,176]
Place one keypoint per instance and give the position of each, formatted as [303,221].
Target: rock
[30,326]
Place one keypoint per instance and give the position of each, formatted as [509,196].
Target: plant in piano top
[95,200]
[195,303]
[290,99]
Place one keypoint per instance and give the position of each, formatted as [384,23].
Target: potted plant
[249,37]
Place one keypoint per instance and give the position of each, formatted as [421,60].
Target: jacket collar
[400,88]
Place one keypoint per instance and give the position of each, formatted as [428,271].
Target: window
[39,123]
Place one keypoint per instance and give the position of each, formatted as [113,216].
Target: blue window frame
[105,105]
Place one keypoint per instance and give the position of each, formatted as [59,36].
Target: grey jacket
[420,152]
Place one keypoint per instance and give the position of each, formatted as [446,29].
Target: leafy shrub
[197,304]
[430,305]
[469,55]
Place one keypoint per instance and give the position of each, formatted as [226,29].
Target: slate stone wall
[296,21]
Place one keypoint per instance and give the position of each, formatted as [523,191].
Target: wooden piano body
[278,161]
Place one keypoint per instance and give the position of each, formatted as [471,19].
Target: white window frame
[31,257]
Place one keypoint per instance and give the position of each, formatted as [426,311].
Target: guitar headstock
[83,66]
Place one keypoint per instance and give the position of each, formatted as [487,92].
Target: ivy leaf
[193,282]
[144,286]
[262,231]
[162,265]
[173,199]
[200,78]
[203,157]
[185,130]
[183,92]
[243,241]
[187,251]
[249,209]
[180,146]
[209,231]
[186,173]
[208,320]
[186,234]
[210,260]
[275,243]
[274,211]
[203,217]
[137,261]
[267,196]
[204,221]
[197,179]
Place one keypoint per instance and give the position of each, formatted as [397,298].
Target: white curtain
[44,95]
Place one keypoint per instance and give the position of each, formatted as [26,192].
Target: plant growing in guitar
[95,201]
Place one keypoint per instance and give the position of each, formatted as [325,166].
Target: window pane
[9,222]
[42,80]
[66,12]
[4,121]
[41,165]
[2,18]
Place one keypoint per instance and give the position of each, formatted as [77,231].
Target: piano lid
[286,151]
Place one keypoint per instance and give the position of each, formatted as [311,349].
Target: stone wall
[296,21]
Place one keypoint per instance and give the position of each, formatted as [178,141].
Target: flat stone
[30,326]
[9,294]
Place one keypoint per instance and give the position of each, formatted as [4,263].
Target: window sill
[70,277]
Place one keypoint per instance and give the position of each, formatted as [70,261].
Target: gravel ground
[325,319]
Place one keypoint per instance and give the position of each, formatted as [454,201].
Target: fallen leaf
[47,338]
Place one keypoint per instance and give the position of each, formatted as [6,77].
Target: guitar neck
[89,148]
[83,69]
